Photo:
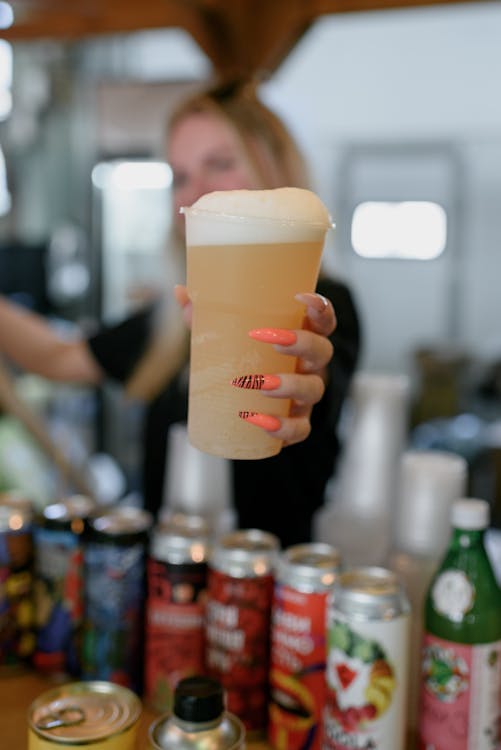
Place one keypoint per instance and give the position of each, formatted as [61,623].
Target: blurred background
[396,108]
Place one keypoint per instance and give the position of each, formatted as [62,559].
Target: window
[399,229]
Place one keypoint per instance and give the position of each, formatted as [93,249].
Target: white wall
[424,74]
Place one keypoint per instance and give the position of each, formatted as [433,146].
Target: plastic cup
[243,272]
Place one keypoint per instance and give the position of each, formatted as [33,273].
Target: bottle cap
[470,513]
[198,699]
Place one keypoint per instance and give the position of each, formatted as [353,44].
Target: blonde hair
[267,143]
[277,162]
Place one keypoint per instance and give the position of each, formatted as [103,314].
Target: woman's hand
[306,386]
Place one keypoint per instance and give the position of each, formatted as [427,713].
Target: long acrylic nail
[266,421]
[318,302]
[282,336]
[257,382]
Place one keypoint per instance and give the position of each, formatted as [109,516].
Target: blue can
[115,584]
[58,584]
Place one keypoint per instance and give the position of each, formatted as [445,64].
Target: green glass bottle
[460,705]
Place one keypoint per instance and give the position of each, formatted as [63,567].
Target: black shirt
[278,494]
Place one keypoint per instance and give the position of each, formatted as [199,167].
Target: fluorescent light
[406,229]
[132,175]
[6,15]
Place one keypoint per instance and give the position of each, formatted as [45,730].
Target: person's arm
[33,345]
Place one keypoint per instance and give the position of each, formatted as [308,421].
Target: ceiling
[240,37]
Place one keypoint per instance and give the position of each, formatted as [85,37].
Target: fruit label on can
[238,637]
[175,627]
[460,691]
[366,684]
[58,600]
[297,670]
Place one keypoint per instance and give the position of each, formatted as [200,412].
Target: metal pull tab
[66,717]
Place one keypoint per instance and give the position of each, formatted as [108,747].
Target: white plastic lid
[470,513]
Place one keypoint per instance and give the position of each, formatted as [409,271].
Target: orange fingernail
[282,336]
[257,382]
[266,421]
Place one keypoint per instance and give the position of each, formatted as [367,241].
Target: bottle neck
[463,539]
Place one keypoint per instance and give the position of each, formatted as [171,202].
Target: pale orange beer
[248,254]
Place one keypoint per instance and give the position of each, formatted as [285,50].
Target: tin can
[115,584]
[239,597]
[368,625]
[88,714]
[175,608]
[198,720]
[59,583]
[305,575]
[17,628]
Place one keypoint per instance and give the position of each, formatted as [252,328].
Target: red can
[175,611]
[305,575]
[240,591]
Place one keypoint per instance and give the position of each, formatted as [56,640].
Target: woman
[219,140]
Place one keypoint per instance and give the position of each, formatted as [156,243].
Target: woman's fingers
[320,315]
[289,429]
[294,430]
[304,390]
[184,302]
[313,351]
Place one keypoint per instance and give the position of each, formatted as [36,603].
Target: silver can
[368,625]
[198,720]
[305,575]
[175,609]
[239,596]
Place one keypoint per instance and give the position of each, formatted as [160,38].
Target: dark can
[175,609]
[240,591]
[17,628]
[367,661]
[59,584]
[115,585]
[97,714]
[305,576]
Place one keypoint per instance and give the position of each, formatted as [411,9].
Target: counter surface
[18,691]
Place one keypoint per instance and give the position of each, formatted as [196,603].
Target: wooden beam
[35,19]
[240,37]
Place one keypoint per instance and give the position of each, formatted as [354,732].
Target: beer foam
[283,215]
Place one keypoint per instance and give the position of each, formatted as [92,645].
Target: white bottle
[357,517]
[429,482]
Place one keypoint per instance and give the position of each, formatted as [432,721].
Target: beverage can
[59,584]
[84,714]
[239,596]
[17,630]
[175,609]
[305,575]
[368,623]
[115,584]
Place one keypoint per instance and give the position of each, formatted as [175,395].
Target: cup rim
[238,218]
